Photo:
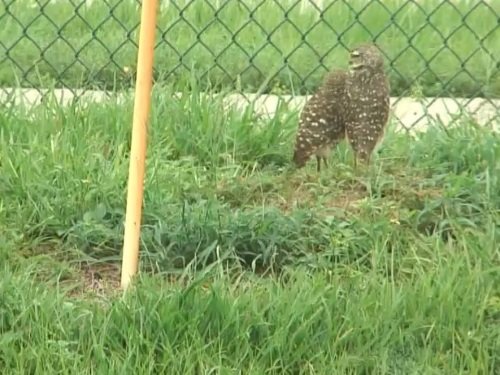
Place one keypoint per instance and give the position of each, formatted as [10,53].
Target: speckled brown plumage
[367,101]
[352,104]
[321,124]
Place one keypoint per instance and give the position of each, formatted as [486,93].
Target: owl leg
[361,159]
[354,147]
[318,163]
[364,155]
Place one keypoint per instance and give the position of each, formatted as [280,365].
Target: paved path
[408,113]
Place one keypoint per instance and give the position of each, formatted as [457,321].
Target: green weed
[247,263]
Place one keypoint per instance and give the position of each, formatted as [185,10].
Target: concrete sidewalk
[407,113]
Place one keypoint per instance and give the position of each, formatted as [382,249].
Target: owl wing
[320,121]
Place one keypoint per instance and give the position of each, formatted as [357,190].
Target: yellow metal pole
[142,102]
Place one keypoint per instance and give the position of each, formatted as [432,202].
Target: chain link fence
[443,56]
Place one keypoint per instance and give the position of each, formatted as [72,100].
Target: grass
[434,48]
[248,265]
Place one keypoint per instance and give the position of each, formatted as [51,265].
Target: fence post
[142,103]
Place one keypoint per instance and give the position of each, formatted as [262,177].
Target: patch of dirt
[307,194]
[101,280]
[347,200]
[79,278]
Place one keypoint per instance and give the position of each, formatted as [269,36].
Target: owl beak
[355,66]
[354,63]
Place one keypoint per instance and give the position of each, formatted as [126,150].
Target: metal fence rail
[436,49]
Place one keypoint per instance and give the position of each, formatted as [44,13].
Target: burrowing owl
[366,101]
[321,124]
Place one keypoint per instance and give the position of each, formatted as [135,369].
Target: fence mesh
[434,49]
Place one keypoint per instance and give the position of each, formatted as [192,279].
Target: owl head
[365,57]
